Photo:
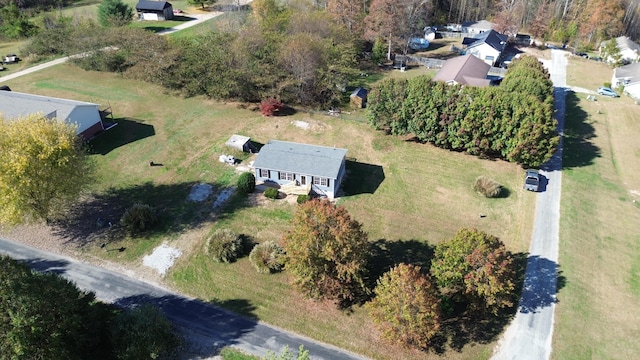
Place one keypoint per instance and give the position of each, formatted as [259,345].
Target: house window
[490,58]
[286,176]
[320,181]
[264,173]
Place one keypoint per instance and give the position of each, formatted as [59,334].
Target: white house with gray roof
[286,163]
[85,116]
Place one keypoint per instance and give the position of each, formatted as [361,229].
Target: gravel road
[530,333]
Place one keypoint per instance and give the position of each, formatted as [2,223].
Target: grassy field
[408,196]
[598,315]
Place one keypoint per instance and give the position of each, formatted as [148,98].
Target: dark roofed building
[488,46]
[358,98]
[154,10]
[319,167]
[464,70]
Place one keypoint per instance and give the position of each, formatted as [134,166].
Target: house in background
[629,50]
[476,27]
[464,70]
[487,46]
[319,168]
[154,10]
[86,116]
[358,98]
[629,77]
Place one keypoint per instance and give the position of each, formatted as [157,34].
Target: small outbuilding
[358,98]
[154,10]
[241,143]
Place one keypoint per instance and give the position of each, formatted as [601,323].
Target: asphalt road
[210,328]
[530,333]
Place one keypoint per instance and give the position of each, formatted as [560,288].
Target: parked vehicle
[531,180]
[606,91]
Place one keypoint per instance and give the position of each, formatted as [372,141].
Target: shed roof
[465,70]
[299,158]
[152,5]
[15,104]
[360,92]
[492,38]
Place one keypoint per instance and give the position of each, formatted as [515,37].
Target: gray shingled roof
[631,71]
[14,104]
[300,159]
[152,5]
[465,70]
[493,38]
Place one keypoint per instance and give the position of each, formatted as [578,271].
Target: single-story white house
[154,10]
[86,116]
[629,77]
[476,27]
[629,49]
[487,46]
[464,70]
[321,168]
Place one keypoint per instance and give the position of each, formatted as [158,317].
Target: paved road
[530,333]
[212,327]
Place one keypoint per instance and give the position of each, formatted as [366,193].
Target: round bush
[487,187]
[271,193]
[267,257]
[303,199]
[247,183]
[224,246]
[138,218]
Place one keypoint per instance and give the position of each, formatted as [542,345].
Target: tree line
[513,121]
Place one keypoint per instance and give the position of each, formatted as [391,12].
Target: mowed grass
[598,315]
[407,195]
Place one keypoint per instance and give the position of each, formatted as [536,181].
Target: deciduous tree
[114,13]
[327,252]
[43,168]
[406,307]
[475,266]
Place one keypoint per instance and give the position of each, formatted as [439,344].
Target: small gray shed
[242,143]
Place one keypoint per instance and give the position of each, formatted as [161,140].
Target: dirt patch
[162,258]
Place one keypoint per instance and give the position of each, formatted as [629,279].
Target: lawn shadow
[387,254]
[578,132]
[362,178]
[218,326]
[127,131]
[96,218]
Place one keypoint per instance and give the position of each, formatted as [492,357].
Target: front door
[303,180]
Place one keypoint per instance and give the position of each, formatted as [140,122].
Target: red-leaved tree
[270,106]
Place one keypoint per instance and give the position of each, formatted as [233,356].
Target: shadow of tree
[220,327]
[127,131]
[96,218]
[578,131]
[362,178]
[542,281]
[57,267]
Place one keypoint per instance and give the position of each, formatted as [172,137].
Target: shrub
[271,193]
[303,199]
[224,246]
[487,187]
[270,106]
[267,257]
[139,217]
[247,183]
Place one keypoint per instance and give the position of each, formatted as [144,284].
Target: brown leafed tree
[350,13]
[327,252]
[406,308]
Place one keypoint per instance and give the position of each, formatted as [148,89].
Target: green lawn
[597,314]
[408,196]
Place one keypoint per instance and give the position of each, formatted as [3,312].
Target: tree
[114,13]
[327,252]
[611,53]
[44,316]
[43,168]
[476,267]
[406,307]
[14,23]
[246,182]
[202,3]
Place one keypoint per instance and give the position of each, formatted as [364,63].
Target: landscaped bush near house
[224,246]
[271,193]
[487,187]
[247,183]
[139,217]
[303,199]
[267,257]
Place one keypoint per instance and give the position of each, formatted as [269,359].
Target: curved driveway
[529,334]
[209,328]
